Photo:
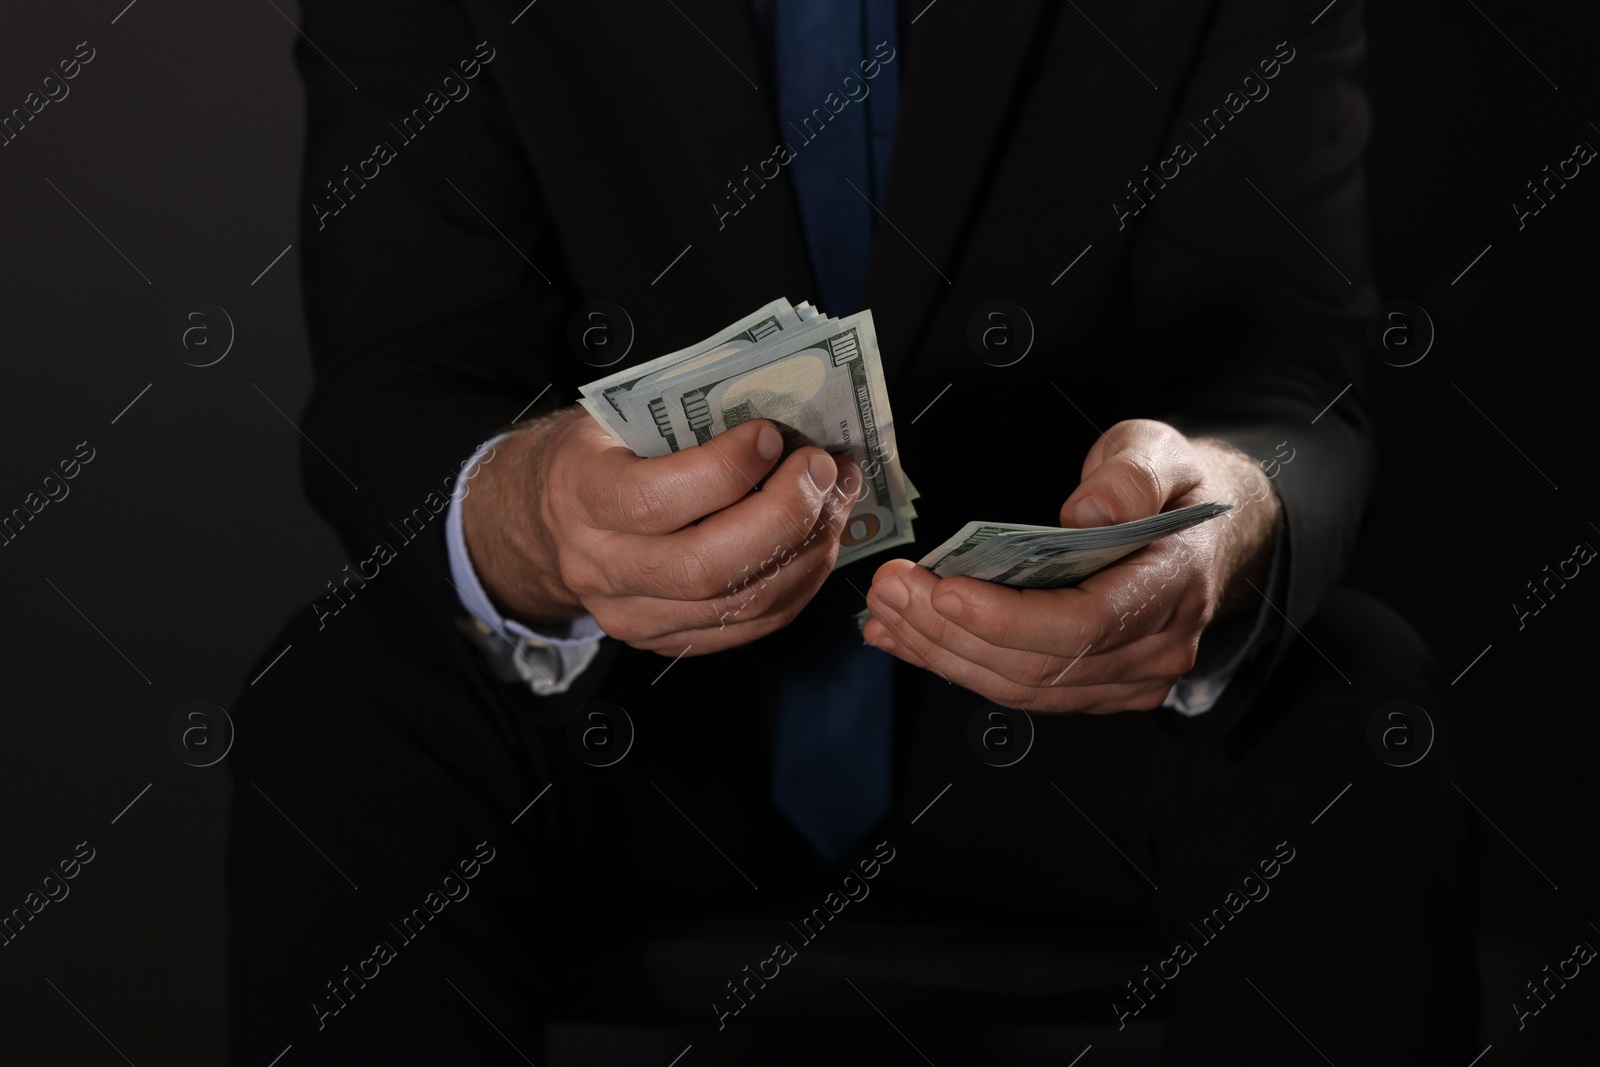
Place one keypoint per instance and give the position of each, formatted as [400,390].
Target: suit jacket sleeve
[1249,270]
[422,228]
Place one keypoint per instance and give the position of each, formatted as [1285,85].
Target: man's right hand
[670,553]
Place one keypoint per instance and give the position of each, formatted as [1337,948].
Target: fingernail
[822,471]
[948,605]
[769,443]
[893,592]
[1091,512]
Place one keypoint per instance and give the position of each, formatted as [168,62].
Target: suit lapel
[726,128]
[699,58]
[674,136]
[962,65]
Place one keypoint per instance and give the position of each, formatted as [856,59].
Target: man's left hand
[1120,639]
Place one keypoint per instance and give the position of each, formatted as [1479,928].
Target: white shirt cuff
[1198,692]
[547,663]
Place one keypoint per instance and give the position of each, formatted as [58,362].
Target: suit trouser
[422,869]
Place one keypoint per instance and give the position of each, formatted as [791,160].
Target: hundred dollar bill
[911,490]
[1049,557]
[1045,557]
[602,398]
[822,382]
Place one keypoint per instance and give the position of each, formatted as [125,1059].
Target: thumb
[662,494]
[1132,472]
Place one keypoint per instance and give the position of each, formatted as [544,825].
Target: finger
[665,493]
[1146,659]
[1140,624]
[957,611]
[1094,699]
[797,580]
[1134,470]
[1051,622]
[735,627]
[1141,659]
[754,538]
[1164,586]
[772,597]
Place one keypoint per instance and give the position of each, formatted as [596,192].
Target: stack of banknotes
[1048,557]
[821,381]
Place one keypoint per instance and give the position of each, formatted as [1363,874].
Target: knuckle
[1157,433]
[588,494]
[618,625]
[1144,481]
[578,574]
[931,624]
[846,492]
[799,520]
[1165,434]
[1175,662]
[829,524]
[721,616]
[691,577]
[642,507]
[682,576]
[807,572]
[1043,670]
[745,601]
[1080,634]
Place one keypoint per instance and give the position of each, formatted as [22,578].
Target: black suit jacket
[1223,289]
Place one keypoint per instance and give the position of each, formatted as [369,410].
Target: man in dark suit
[1169,200]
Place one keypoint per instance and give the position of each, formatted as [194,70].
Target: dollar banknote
[819,379]
[602,398]
[1046,557]
[1050,557]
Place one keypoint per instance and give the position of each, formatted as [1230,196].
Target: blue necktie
[831,764]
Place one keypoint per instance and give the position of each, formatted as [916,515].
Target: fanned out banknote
[820,379]
[1049,557]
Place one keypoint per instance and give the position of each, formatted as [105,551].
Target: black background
[185,542]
